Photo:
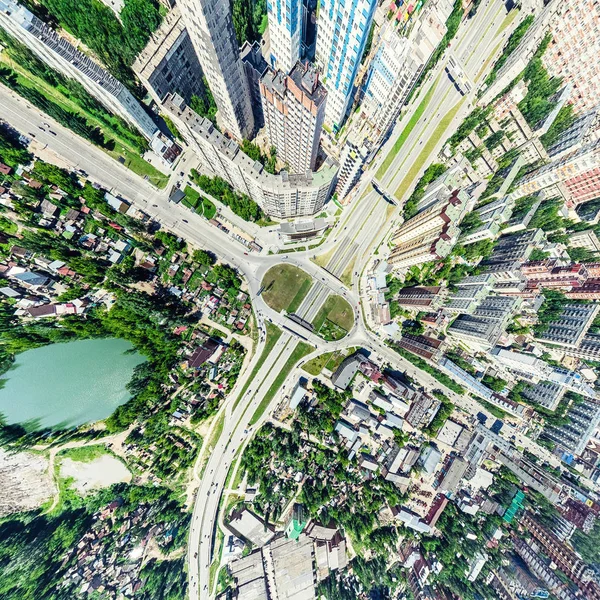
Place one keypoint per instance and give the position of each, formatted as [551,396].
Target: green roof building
[296,523]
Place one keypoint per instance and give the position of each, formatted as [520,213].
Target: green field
[285,287]
[385,165]
[335,318]
[329,360]
[427,150]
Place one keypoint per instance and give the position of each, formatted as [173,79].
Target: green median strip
[385,165]
[427,150]
[299,352]
[273,335]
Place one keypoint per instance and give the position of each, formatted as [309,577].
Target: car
[181,174]
[245,254]
[52,132]
[185,220]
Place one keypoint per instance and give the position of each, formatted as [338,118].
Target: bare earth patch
[98,473]
[24,481]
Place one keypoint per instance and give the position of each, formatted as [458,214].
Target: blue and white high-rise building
[342,31]
[285,33]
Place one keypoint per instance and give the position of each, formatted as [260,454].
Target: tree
[494,140]
[432,172]
[12,152]
[470,223]
[205,105]
[203,257]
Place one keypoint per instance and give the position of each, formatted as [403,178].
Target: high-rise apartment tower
[342,31]
[294,109]
[285,32]
[209,25]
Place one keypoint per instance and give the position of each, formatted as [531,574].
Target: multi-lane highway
[361,229]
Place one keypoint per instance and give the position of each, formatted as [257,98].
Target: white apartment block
[59,54]
[433,245]
[395,70]
[169,64]
[573,53]
[585,239]
[294,108]
[577,164]
[352,162]
[283,196]
[285,33]
[445,211]
[209,25]
[342,31]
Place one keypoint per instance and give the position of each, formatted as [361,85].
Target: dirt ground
[98,473]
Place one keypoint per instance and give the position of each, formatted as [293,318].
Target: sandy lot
[98,473]
[24,481]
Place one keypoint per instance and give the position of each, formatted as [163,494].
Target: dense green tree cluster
[320,419]
[475,119]
[205,105]
[249,19]
[12,152]
[565,118]
[554,302]
[441,417]
[470,223]
[240,204]
[68,119]
[254,152]
[537,104]
[497,384]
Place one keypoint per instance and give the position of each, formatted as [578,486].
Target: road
[361,229]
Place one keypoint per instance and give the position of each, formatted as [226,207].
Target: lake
[68,384]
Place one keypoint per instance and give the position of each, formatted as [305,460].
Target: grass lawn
[329,360]
[273,334]
[285,287]
[300,295]
[427,150]
[192,197]
[323,259]
[510,17]
[334,319]
[347,274]
[486,64]
[133,160]
[385,165]
[84,453]
[299,352]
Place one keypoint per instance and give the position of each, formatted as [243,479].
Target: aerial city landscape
[299,299]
